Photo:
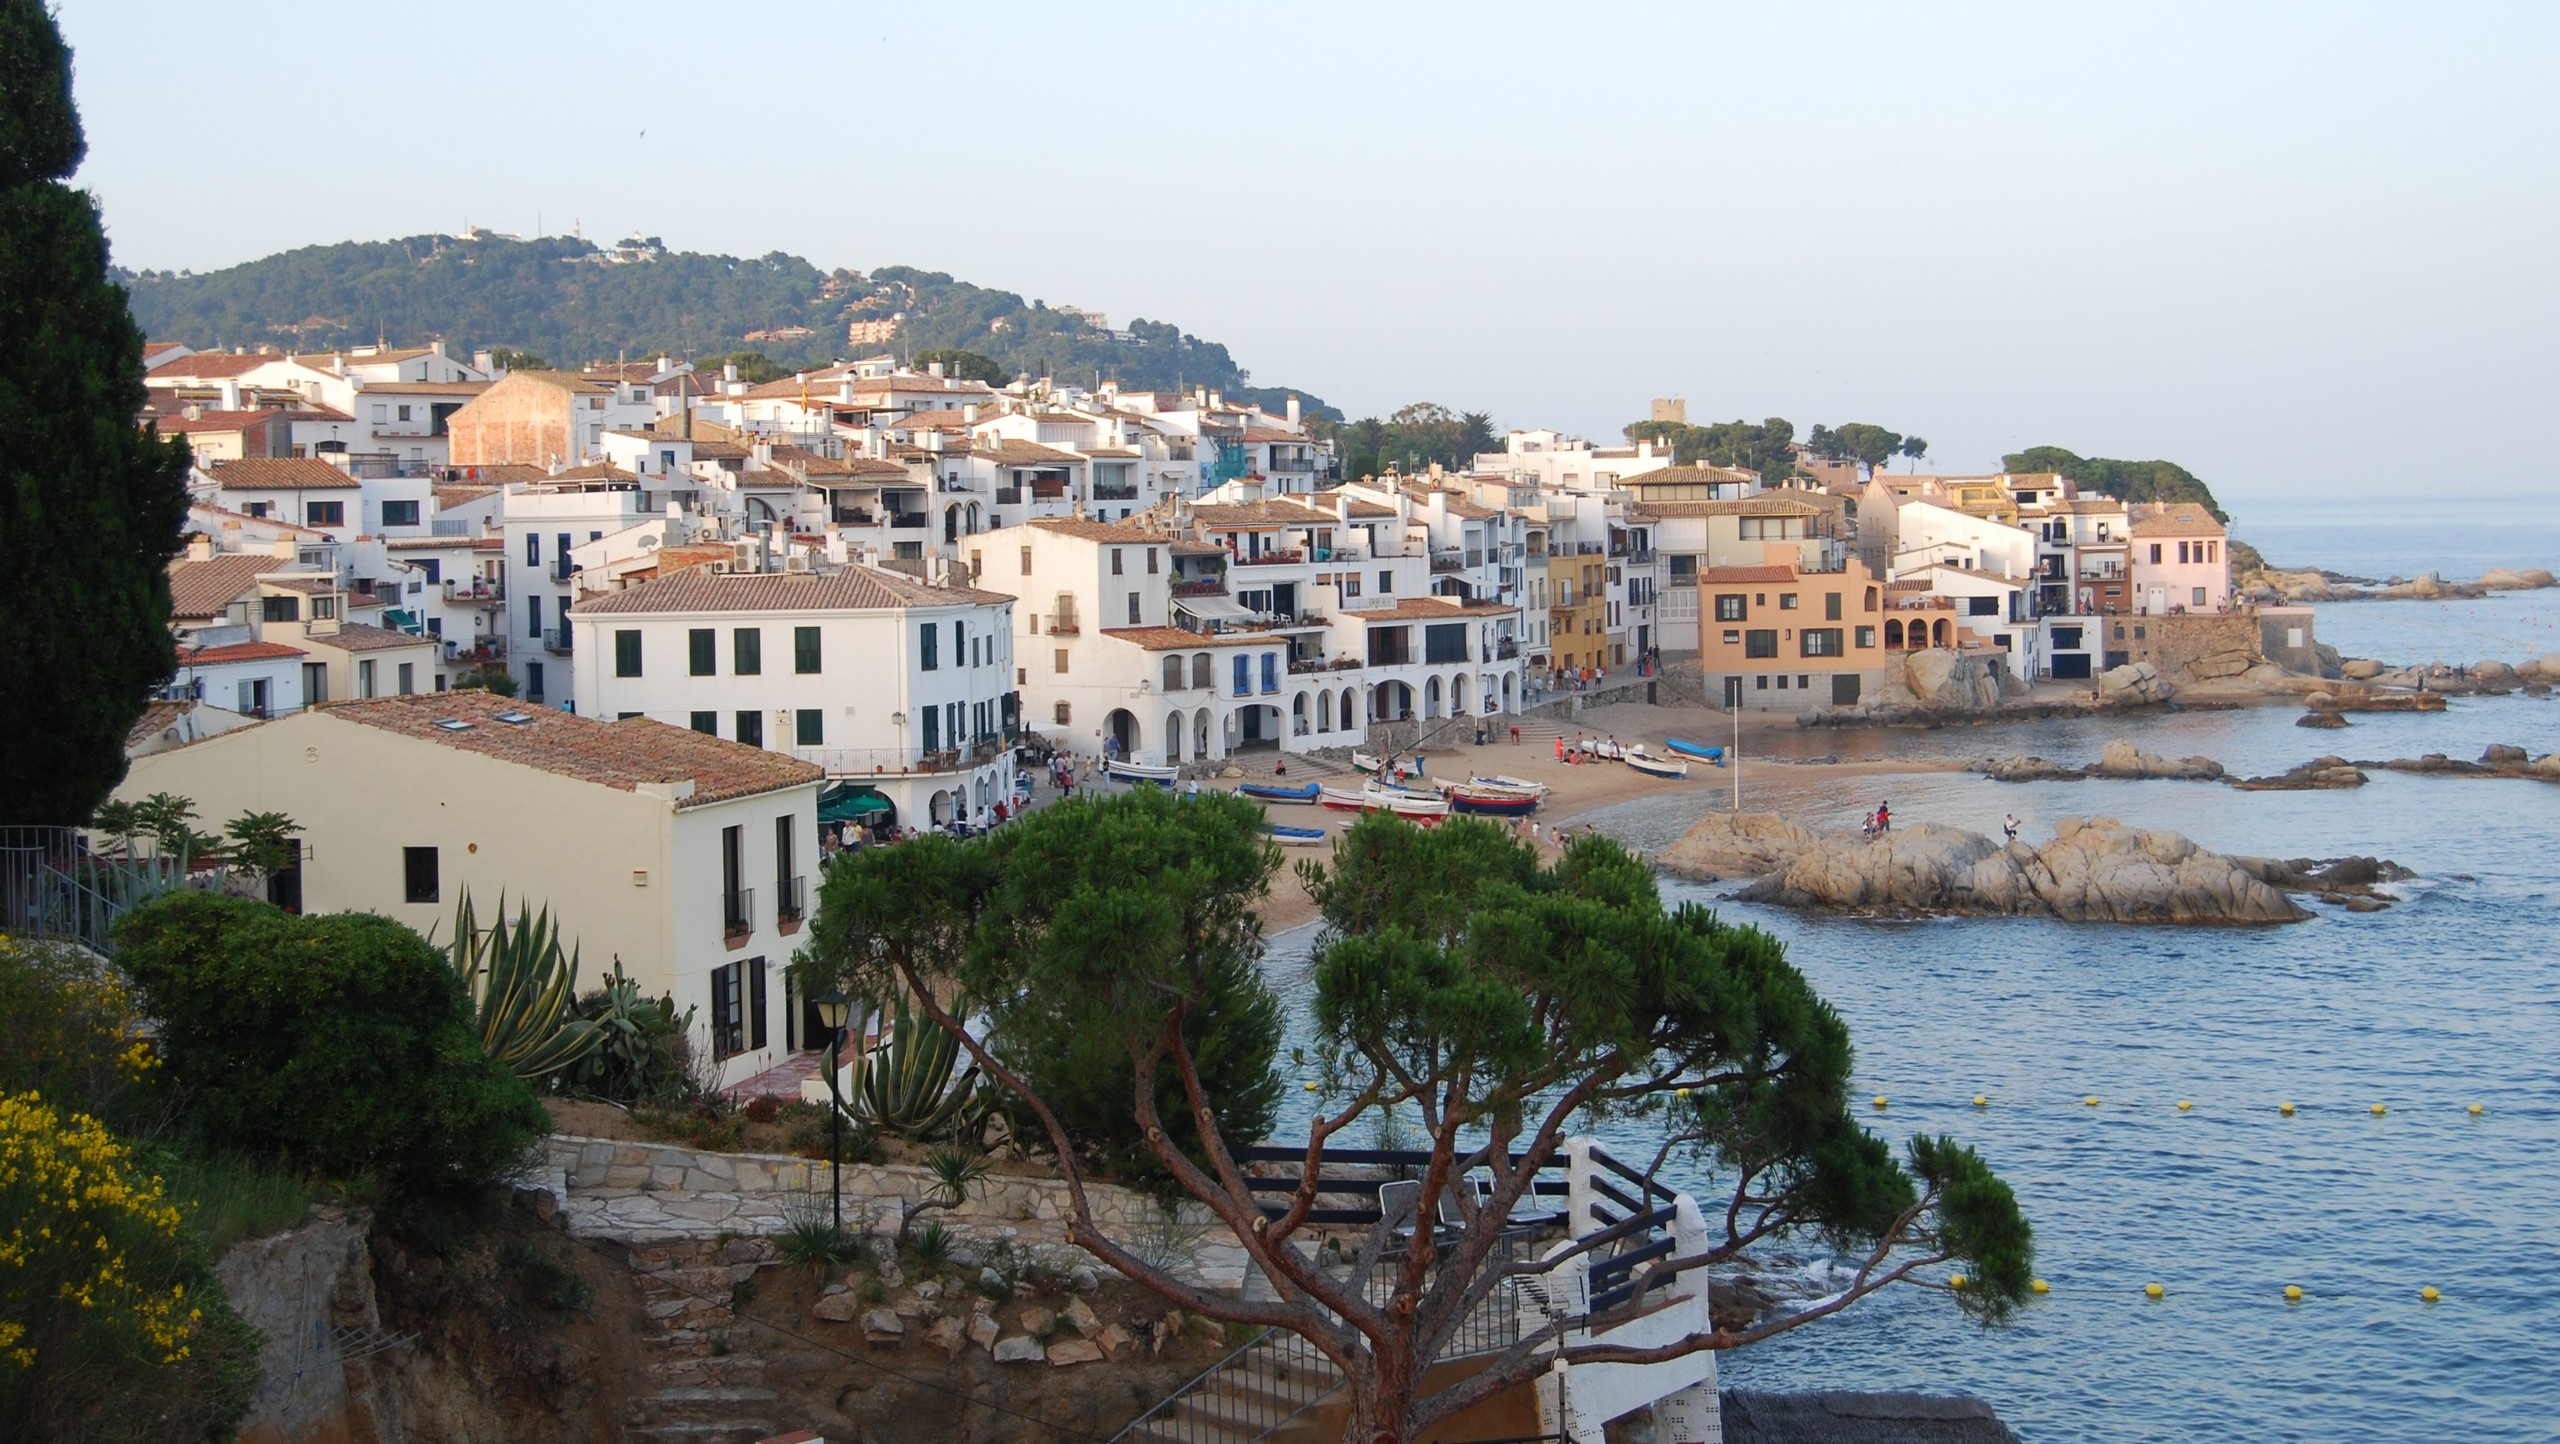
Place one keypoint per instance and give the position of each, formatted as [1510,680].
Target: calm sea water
[2450,998]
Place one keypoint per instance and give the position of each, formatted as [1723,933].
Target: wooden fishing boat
[1694,749]
[1139,772]
[1297,836]
[1373,798]
[1266,792]
[1652,766]
[1370,762]
[1341,801]
[1502,782]
[1491,801]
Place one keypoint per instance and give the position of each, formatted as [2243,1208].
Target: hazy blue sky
[2288,245]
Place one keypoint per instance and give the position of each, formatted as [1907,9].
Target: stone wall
[310,1291]
[646,1193]
[2188,647]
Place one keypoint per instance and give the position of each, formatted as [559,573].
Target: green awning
[852,804]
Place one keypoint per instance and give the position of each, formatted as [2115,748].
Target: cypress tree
[90,503]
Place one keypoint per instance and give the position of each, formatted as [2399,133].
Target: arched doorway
[1941,633]
[1121,731]
[1253,726]
[1393,702]
[951,522]
[974,526]
[1200,733]
[939,809]
[1350,711]
[1173,737]
[1431,697]
[1324,711]
[1506,691]
[1299,722]
[1457,696]
[1892,633]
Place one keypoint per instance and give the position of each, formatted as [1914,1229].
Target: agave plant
[912,1086]
[521,989]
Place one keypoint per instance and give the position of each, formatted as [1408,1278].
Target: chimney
[1200,397]
[969,414]
[199,548]
[230,393]
[192,411]
[484,362]
[436,346]
[933,368]
[1293,413]
[1217,399]
[729,371]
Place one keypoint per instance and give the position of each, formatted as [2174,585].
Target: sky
[2291,246]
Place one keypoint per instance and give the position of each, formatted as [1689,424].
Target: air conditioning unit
[720,569]
[798,562]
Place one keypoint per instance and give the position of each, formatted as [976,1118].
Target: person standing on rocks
[2009,826]
[1884,818]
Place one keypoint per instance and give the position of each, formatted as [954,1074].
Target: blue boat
[1265,792]
[1296,836]
[1694,749]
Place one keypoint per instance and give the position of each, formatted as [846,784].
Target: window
[533,615]
[1982,606]
[1063,714]
[408,678]
[2199,598]
[381,412]
[1820,641]
[626,651]
[1243,673]
[1270,671]
[364,678]
[1760,684]
[1866,636]
[1133,609]
[1782,684]
[404,413]
[1786,601]
[324,513]
[399,513]
[702,650]
[323,608]
[1115,561]
[1386,583]
[738,1008]
[751,728]
[1760,642]
[280,609]
[2155,554]
[1026,561]
[418,874]
[1151,561]
[707,723]
[1732,637]
[1059,663]
[533,549]
[932,730]
[809,727]
[533,681]
[1733,607]
[746,651]
[258,508]
[786,889]
[1831,606]
[432,569]
[804,650]
[1804,683]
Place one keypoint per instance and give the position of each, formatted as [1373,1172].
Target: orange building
[1779,638]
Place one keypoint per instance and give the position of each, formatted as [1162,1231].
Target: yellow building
[1577,610]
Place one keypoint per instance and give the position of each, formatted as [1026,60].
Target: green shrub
[343,1043]
[643,1058]
[228,1199]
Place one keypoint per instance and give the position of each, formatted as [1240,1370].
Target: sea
[2447,1000]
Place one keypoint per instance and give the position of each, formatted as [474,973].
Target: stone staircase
[698,1388]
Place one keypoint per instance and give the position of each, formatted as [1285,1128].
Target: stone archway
[1431,697]
[1174,732]
[1893,632]
[1457,696]
[1324,711]
[1121,728]
[1300,723]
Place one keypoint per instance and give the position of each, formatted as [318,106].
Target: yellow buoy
[1679,1092]
[1309,1085]
[1980,1101]
[2091,1100]
[2039,1286]
[1880,1100]
[2285,1108]
[2379,1110]
[2429,1293]
[2154,1291]
[1955,1281]
[2184,1105]
[2477,1110]
[2293,1293]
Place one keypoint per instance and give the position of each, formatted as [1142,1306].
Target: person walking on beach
[1559,747]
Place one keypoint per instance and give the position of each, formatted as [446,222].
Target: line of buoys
[2155,1291]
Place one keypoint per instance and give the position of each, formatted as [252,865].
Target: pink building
[2180,563]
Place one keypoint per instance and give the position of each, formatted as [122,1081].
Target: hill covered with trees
[568,301]
[2124,480]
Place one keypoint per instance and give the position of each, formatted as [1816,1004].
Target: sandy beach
[1578,789]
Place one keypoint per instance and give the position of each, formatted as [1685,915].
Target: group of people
[1544,836]
[1584,747]
[1580,679]
[1878,822]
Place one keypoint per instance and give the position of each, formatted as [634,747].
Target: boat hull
[1297,836]
[1698,750]
[1491,804]
[1657,767]
[1293,796]
[1138,772]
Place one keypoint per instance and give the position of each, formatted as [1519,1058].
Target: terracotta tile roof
[1286,438]
[1174,639]
[1431,609]
[709,449]
[431,543]
[202,509]
[362,637]
[1979,575]
[281,473]
[593,471]
[620,755]
[500,473]
[2173,518]
[448,497]
[562,380]
[200,590]
[931,420]
[159,348]
[1110,453]
[1271,513]
[1769,505]
[1104,531]
[1730,576]
[1005,451]
[426,388]
[851,588]
[1689,476]
[818,466]
[239,652]
[157,718]
[208,366]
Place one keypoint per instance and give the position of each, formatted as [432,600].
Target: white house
[542,524]
[2179,562]
[887,683]
[686,858]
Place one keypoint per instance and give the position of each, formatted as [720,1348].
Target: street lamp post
[832,1007]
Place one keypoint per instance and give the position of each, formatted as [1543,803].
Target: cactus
[521,989]
[911,1085]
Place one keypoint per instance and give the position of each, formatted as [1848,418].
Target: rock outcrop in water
[2097,870]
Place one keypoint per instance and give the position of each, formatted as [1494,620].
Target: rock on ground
[2122,759]
[2135,684]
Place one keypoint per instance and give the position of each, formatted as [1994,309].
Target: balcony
[1301,666]
[481,650]
[556,641]
[790,899]
[1127,492]
[1448,561]
[1272,559]
[909,521]
[738,913]
[897,762]
[1008,496]
[1205,587]
[562,570]
[484,590]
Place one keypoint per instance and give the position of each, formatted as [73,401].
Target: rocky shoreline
[2122,760]
[2091,870]
[2310,584]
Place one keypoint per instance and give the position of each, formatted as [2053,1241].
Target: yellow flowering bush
[106,1306]
[69,1026]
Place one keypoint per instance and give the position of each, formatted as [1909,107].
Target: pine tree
[90,503]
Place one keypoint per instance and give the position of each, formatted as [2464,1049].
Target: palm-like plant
[262,842]
[911,1086]
[521,989]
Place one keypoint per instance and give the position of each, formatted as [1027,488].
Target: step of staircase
[714,1401]
[705,1431]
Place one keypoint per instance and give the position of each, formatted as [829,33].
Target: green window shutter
[626,653]
[809,727]
[746,651]
[804,650]
[704,645]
